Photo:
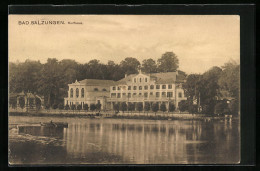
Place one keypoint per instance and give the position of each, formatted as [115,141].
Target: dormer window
[82,92]
[118,88]
[140,80]
[71,92]
[145,79]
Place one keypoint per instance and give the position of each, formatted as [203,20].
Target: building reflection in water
[155,142]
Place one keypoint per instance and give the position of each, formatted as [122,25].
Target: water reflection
[143,142]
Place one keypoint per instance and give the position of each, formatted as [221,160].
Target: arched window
[71,92]
[180,94]
[82,92]
[77,92]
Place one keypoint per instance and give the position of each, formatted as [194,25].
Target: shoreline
[127,116]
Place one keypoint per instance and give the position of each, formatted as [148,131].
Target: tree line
[51,79]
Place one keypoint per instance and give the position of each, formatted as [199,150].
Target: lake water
[125,141]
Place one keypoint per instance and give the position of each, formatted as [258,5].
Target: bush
[163,107]
[67,107]
[123,107]
[171,107]
[22,102]
[61,106]
[116,107]
[79,107]
[98,106]
[73,107]
[47,106]
[55,106]
[92,107]
[147,106]
[139,106]
[131,107]
[234,107]
[155,107]
[85,107]
[183,105]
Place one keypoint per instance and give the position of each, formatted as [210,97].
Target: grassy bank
[127,116]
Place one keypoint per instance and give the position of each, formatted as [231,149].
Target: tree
[21,102]
[171,107]
[234,107]
[149,66]
[130,65]
[139,106]
[169,62]
[85,107]
[123,107]
[155,107]
[183,105]
[92,107]
[116,107]
[229,79]
[147,107]
[163,107]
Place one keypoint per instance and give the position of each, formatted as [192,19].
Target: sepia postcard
[124,89]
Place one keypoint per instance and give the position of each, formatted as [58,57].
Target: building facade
[135,88]
[88,91]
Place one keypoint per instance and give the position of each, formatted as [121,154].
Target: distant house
[135,88]
[25,100]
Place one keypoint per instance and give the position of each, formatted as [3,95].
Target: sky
[199,41]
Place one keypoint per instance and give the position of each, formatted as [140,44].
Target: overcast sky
[200,42]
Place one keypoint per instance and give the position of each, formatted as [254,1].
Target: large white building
[134,88]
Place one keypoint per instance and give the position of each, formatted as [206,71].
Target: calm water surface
[122,141]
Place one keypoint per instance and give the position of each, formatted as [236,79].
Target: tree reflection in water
[136,142]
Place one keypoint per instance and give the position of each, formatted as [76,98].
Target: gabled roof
[159,78]
[96,82]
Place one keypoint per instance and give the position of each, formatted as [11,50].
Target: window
[151,86]
[180,94]
[113,94]
[146,87]
[129,95]
[151,93]
[169,94]
[140,80]
[157,86]
[163,94]
[123,94]
[104,89]
[169,86]
[134,94]
[145,79]
[82,92]
[135,87]
[135,80]
[114,88]
[77,92]
[129,87]
[95,89]
[157,94]
[118,88]
[163,86]
[145,94]
[118,95]
[140,94]
[140,87]
[71,92]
